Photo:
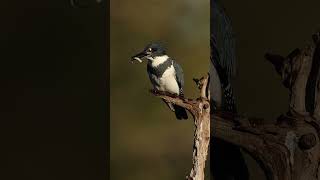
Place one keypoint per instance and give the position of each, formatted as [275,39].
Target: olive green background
[146,140]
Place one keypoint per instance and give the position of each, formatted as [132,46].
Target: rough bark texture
[288,149]
[295,70]
[285,152]
[200,110]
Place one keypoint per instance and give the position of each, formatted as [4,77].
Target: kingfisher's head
[150,52]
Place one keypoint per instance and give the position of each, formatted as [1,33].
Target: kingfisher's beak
[138,57]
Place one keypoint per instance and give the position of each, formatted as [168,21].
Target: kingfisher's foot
[154,91]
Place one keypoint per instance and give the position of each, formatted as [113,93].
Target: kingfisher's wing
[222,56]
[222,41]
[179,75]
[152,77]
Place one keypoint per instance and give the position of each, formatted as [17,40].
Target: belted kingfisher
[222,70]
[164,73]
[223,59]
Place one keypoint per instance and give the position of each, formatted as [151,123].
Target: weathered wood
[200,110]
[274,147]
[288,149]
[294,71]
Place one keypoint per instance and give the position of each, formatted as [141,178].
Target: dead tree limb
[288,149]
[294,71]
[200,110]
[284,153]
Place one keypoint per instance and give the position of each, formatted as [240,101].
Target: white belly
[168,82]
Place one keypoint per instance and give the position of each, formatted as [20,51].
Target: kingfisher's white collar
[158,60]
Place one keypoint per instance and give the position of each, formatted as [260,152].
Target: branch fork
[288,149]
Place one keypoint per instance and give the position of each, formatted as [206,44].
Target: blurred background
[147,142]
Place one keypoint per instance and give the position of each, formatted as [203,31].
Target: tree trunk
[288,149]
[200,110]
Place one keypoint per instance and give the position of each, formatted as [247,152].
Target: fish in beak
[138,57]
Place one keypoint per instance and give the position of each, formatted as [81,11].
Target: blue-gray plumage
[164,73]
[222,69]
[222,36]
[223,59]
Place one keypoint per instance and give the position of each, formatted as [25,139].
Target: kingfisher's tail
[223,54]
[180,112]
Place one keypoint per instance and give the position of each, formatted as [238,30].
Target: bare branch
[200,110]
[294,71]
[180,101]
[281,151]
